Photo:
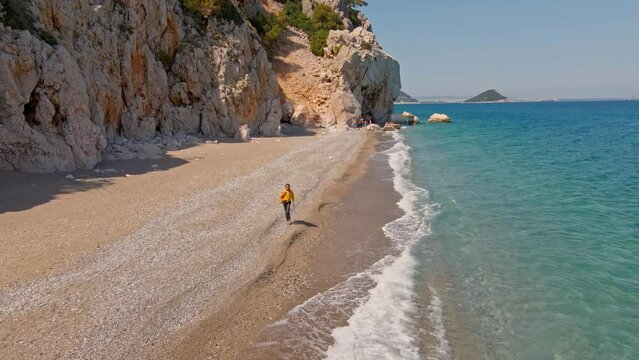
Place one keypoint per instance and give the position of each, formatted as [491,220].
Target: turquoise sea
[518,239]
[532,248]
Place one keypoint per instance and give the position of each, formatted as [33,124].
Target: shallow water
[534,252]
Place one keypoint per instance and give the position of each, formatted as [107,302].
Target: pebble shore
[136,293]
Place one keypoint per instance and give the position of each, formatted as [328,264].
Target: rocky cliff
[86,79]
[355,79]
[369,79]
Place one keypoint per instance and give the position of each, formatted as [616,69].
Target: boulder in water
[439,118]
[410,119]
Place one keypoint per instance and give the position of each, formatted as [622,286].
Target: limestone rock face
[369,74]
[439,118]
[304,117]
[135,70]
[45,117]
[345,108]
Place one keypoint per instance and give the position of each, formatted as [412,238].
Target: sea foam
[384,326]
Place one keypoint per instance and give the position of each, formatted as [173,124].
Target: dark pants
[287,210]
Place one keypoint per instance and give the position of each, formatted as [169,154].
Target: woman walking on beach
[287,197]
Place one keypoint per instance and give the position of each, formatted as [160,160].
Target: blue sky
[524,49]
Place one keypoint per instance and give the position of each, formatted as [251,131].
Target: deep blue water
[534,251]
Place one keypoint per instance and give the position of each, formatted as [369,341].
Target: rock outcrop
[354,79]
[367,74]
[344,107]
[304,118]
[409,118]
[132,69]
[439,118]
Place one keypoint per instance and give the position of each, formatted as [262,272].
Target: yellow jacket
[287,196]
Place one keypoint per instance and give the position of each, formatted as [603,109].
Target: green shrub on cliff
[325,18]
[223,9]
[205,8]
[353,16]
[318,42]
[268,27]
[292,15]
[317,27]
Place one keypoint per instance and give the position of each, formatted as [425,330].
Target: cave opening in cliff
[29,111]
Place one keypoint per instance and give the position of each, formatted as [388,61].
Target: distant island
[405,98]
[492,96]
[488,96]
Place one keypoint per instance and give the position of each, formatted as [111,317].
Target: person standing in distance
[287,197]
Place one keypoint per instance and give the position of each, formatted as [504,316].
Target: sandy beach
[342,235]
[140,258]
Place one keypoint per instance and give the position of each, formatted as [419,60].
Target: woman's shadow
[302,222]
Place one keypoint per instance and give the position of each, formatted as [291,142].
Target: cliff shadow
[287,43]
[23,191]
[289,130]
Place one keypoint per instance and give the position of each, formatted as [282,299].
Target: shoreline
[319,255]
[125,281]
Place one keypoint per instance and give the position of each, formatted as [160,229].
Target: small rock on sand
[243,133]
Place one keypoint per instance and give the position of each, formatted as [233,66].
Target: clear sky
[522,48]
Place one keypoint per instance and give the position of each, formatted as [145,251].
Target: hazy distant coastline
[461,99]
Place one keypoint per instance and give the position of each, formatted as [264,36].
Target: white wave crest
[384,326]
